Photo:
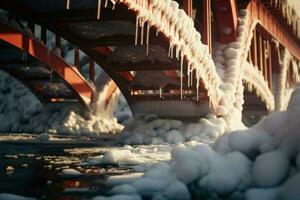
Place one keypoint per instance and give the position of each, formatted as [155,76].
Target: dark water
[42,177]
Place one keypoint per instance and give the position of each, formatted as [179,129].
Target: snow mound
[114,157]
[270,169]
[151,130]
[261,162]
[71,173]
[5,196]
[20,111]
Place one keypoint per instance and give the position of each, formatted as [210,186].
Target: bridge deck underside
[110,41]
[42,80]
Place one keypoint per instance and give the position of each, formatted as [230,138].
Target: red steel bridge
[178,58]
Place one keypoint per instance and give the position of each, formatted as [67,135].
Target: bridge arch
[201,66]
[273,71]
[288,79]
[39,51]
[24,40]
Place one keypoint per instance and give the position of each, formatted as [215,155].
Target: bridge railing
[263,54]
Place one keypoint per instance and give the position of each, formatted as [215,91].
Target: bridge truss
[168,61]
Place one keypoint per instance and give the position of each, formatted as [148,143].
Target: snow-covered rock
[71,173]
[270,169]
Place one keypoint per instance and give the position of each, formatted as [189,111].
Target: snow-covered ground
[171,159]
[261,162]
[20,111]
[202,159]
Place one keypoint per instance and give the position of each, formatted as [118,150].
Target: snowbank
[71,173]
[5,196]
[261,162]
[20,111]
[151,130]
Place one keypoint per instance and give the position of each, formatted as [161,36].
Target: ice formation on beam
[185,41]
[283,92]
[291,11]
[255,81]
[280,102]
[228,59]
[223,75]
[185,44]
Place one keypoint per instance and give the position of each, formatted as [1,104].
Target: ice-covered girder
[162,37]
[226,18]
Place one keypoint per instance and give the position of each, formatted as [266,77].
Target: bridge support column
[276,68]
[225,15]
[188,7]
[270,71]
[206,35]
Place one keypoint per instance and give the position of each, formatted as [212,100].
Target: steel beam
[188,7]
[157,65]
[56,63]
[206,35]
[225,15]
[259,14]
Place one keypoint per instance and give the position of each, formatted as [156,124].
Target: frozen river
[37,171]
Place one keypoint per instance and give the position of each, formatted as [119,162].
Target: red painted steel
[225,15]
[206,35]
[188,7]
[259,14]
[39,51]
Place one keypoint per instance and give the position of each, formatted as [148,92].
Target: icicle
[181,77]
[136,30]
[197,84]
[188,73]
[143,4]
[172,30]
[160,92]
[177,53]
[68,4]
[99,9]
[191,77]
[142,32]
[147,39]
[172,50]
[114,6]
[197,93]
[106,3]
[157,31]
[147,5]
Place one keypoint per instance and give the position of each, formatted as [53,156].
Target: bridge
[174,58]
